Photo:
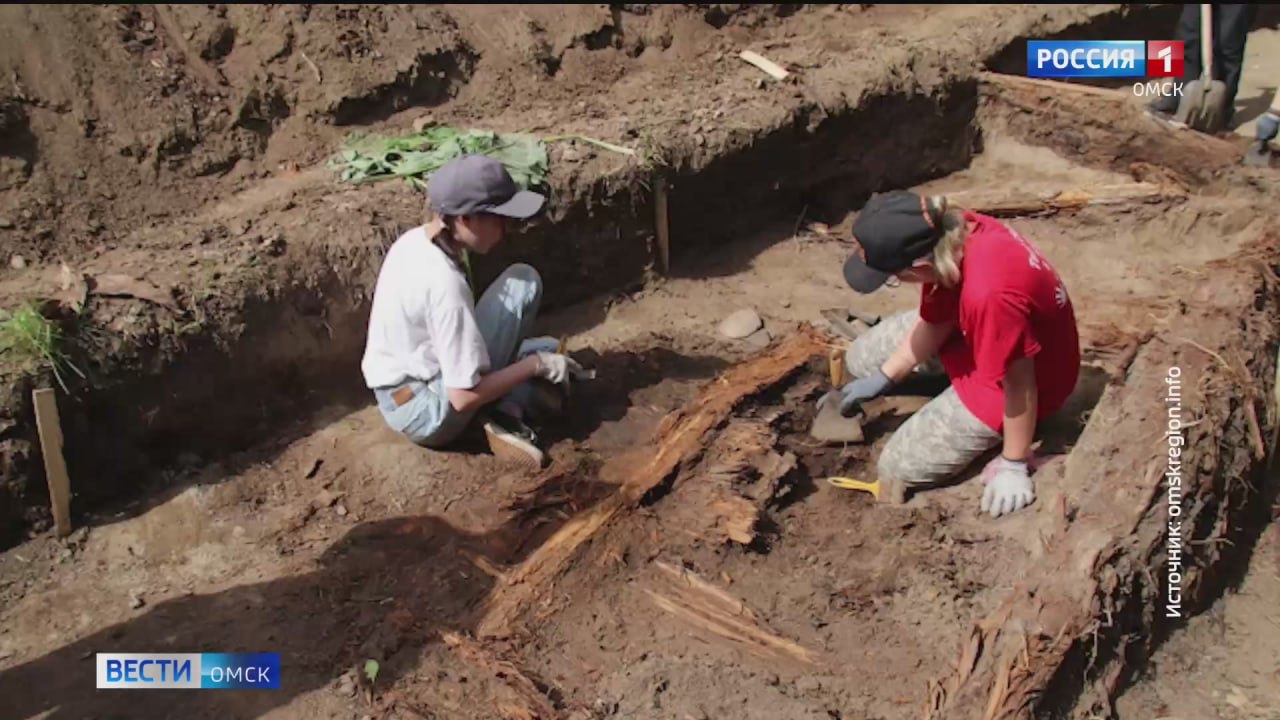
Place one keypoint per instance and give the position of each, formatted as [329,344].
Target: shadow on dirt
[620,374]
[387,590]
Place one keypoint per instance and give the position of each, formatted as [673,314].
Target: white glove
[529,346]
[1008,489]
[558,368]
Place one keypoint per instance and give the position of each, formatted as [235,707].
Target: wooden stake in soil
[660,221]
[55,466]
[835,364]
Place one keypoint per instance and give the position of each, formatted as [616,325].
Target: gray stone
[759,339]
[741,324]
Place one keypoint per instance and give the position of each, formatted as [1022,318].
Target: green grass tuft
[28,337]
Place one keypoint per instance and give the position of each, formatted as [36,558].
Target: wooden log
[1052,86]
[1091,126]
[680,439]
[1006,204]
[49,428]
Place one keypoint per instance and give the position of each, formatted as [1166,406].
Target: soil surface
[348,544]
[183,145]
[1223,665]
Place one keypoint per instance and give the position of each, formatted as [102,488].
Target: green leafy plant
[27,336]
[368,158]
[371,668]
[413,157]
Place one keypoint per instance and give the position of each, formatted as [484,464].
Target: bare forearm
[918,346]
[1019,409]
[494,385]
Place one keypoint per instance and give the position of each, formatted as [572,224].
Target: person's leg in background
[1231,25]
[1189,33]
[937,443]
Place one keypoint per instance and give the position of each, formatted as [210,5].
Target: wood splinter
[771,68]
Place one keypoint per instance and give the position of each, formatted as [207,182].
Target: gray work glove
[1259,153]
[558,368]
[859,391]
[1009,487]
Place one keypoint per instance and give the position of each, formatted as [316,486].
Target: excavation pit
[247,492]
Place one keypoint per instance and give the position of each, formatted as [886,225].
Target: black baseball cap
[892,232]
[473,184]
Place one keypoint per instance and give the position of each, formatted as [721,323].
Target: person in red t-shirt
[997,318]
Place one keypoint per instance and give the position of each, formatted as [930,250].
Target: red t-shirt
[1010,304]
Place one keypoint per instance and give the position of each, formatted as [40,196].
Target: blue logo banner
[1086,58]
[188,671]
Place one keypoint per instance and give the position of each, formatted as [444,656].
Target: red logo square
[1164,58]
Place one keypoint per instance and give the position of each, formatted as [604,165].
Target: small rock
[136,602]
[422,123]
[273,244]
[808,684]
[760,83]
[759,339]
[341,510]
[786,304]
[773,680]
[148,26]
[741,324]
[326,498]
[346,686]
[17,262]
[5,223]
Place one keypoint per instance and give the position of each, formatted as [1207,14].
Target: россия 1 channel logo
[188,671]
[1152,59]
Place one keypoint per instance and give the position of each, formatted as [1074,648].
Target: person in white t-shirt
[434,357]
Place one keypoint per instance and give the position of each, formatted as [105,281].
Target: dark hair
[444,239]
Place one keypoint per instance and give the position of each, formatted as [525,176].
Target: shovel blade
[1203,106]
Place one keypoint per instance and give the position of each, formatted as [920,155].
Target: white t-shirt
[423,320]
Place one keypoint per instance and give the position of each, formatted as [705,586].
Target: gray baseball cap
[474,184]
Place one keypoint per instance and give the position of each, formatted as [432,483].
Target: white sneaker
[513,446]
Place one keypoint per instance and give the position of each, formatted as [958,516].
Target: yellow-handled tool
[845,483]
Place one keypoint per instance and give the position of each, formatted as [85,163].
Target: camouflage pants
[940,440]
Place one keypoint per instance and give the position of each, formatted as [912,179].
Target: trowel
[830,425]
[1203,106]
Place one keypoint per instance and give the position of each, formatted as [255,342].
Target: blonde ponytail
[950,248]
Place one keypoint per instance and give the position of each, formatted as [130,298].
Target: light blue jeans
[504,315]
